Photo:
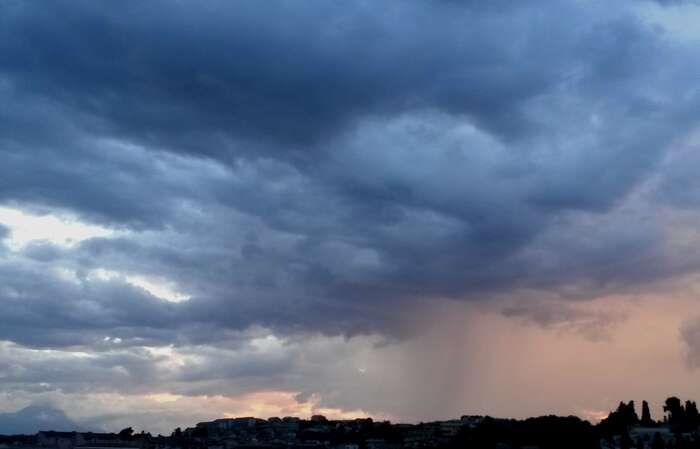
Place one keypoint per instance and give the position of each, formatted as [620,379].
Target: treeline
[678,417]
[545,432]
[680,423]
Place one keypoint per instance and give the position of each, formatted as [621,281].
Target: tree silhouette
[200,432]
[692,417]
[620,420]
[646,420]
[631,413]
[675,411]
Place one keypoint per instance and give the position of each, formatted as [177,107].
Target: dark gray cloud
[44,310]
[322,168]
[309,167]
[290,73]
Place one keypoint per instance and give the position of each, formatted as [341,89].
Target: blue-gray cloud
[311,166]
[321,167]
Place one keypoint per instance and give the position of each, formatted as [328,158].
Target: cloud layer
[309,177]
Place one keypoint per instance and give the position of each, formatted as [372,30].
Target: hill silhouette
[34,418]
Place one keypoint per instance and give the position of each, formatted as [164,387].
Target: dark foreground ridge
[622,429]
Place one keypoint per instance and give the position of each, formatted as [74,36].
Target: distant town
[623,428]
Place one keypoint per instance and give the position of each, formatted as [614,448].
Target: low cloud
[690,336]
[591,322]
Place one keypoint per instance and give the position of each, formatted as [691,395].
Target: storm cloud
[319,172]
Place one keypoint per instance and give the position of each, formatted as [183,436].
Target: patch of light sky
[679,20]
[158,287]
[66,231]
[63,230]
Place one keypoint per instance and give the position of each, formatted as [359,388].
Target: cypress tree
[646,415]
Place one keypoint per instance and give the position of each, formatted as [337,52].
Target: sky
[410,210]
